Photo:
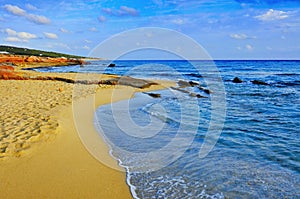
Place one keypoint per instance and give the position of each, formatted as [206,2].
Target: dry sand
[41,154]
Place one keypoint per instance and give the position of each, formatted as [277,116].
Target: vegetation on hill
[33,52]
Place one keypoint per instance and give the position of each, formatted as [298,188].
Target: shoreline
[55,163]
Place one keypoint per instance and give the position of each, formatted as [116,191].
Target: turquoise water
[158,140]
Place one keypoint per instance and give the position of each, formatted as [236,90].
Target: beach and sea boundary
[41,152]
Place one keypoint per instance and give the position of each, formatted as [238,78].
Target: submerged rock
[259,82]
[154,95]
[179,89]
[183,83]
[237,80]
[193,83]
[196,95]
[204,90]
[111,65]
[188,92]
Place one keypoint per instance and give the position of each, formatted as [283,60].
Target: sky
[226,29]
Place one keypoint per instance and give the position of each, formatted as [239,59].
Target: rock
[64,80]
[128,81]
[179,89]
[154,95]
[32,59]
[187,92]
[237,80]
[193,83]
[10,75]
[7,68]
[259,82]
[111,65]
[204,90]
[195,75]
[196,95]
[136,83]
[183,83]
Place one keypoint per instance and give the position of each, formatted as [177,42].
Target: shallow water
[158,140]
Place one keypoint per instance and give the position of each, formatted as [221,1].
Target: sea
[186,142]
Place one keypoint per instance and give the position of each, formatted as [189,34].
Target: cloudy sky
[227,29]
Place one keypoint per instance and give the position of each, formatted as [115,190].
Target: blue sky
[241,29]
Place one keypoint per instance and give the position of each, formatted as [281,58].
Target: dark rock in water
[193,83]
[133,82]
[195,75]
[196,95]
[187,92]
[154,95]
[258,82]
[183,83]
[111,65]
[179,89]
[204,90]
[237,80]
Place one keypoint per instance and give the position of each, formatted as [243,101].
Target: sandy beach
[41,154]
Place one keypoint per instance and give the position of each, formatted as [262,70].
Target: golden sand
[41,154]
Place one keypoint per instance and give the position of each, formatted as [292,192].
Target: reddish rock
[32,59]
[6,67]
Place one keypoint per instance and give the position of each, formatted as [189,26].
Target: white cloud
[15,36]
[86,47]
[14,39]
[178,21]
[272,15]
[63,30]
[129,11]
[108,11]
[158,2]
[26,35]
[269,48]
[123,11]
[15,10]
[10,32]
[241,36]
[38,19]
[88,41]
[31,7]
[102,19]
[249,47]
[93,29]
[50,35]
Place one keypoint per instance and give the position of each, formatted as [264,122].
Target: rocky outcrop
[188,92]
[154,95]
[259,82]
[36,61]
[8,73]
[237,80]
[111,65]
[204,90]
